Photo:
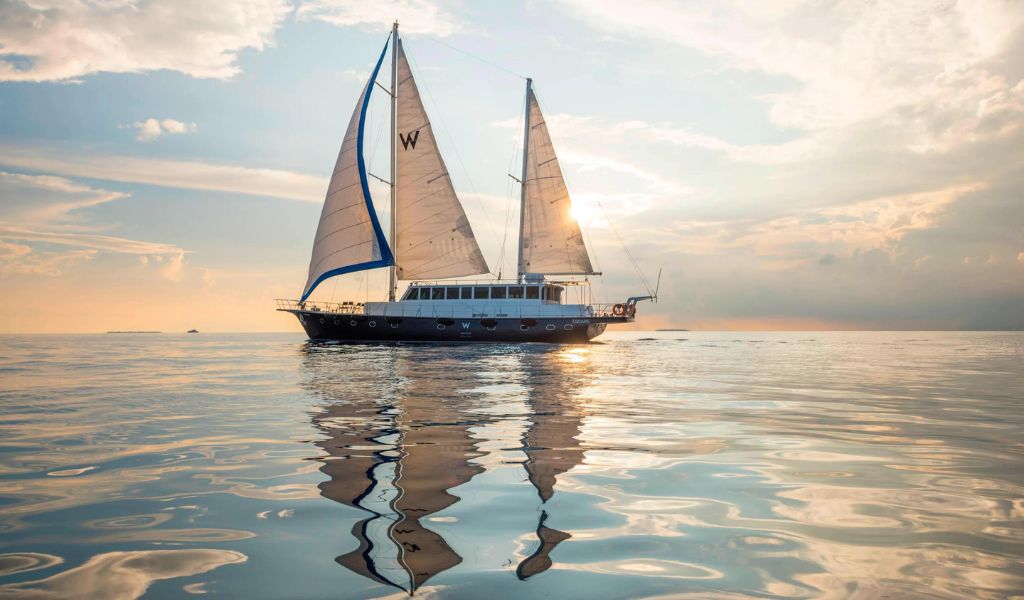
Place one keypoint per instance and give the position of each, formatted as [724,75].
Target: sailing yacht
[431,242]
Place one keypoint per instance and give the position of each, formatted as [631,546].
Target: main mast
[521,269]
[392,272]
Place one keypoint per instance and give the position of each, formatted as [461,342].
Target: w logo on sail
[409,139]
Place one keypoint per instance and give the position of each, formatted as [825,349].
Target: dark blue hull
[325,327]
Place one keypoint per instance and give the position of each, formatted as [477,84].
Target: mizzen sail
[552,242]
[433,237]
[349,237]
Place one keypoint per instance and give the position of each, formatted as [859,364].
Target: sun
[586,213]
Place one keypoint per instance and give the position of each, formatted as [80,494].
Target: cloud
[168,173]
[875,224]
[826,235]
[47,199]
[88,240]
[928,68]
[46,210]
[151,129]
[170,257]
[18,259]
[413,16]
[54,40]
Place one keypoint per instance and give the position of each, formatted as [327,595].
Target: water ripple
[832,465]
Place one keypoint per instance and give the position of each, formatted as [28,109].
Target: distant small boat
[192,331]
[671,329]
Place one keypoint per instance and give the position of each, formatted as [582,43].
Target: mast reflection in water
[404,433]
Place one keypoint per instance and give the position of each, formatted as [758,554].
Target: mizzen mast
[521,268]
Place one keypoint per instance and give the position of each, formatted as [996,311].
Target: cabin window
[453,293]
[556,294]
[498,292]
[467,293]
[413,294]
[532,292]
[437,293]
[515,291]
[480,293]
[546,293]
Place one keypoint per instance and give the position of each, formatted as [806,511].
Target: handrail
[484,282]
[343,308]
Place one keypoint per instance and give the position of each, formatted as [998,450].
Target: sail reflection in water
[552,447]
[401,436]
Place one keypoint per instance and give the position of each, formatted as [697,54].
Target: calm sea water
[682,464]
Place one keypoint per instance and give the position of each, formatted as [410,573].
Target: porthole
[523,328]
[549,327]
[440,327]
[373,323]
[322,320]
[394,325]
[352,322]
[337,322]
[567,327]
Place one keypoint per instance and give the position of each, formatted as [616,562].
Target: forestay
[349,237]
[552,241]
[433,236]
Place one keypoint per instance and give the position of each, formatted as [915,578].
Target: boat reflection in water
[552,447]
[402,436]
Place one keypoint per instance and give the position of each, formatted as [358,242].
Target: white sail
[349,237]
[433,237]
[552,243]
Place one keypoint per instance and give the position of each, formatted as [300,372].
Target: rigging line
[509,190]
[474,56]
[376,139]
[458,155]
[509,195]
[334,289]
[625,248]
[597,263]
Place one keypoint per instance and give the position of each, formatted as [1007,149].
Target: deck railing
[341,308]
[609,310]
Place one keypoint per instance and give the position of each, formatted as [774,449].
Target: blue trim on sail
[341,271]
[387,258]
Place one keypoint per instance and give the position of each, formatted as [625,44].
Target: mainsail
[349,237]
[552,243]
[433,237]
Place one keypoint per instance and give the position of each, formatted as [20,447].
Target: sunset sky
[790,165]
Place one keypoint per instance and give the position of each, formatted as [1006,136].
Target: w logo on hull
[409,139]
